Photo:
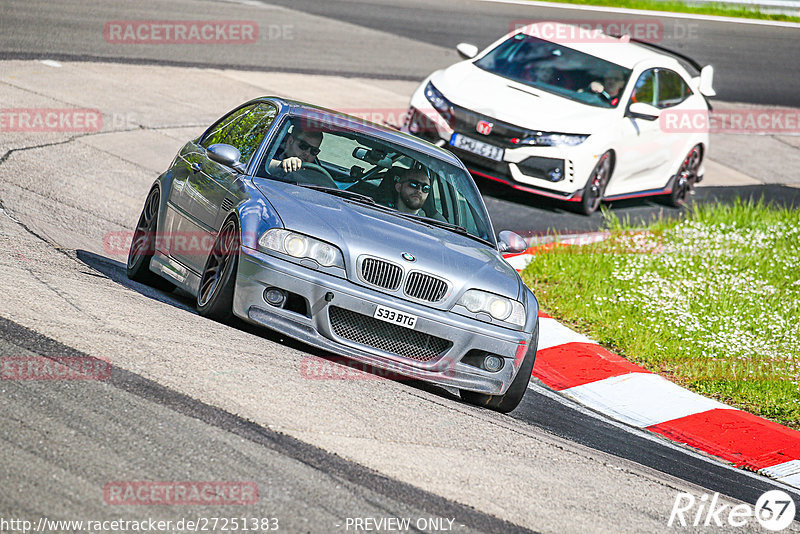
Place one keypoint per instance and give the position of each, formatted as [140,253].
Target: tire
[143,246]
[513,396]
[596,185]
[215,294]
[685,178]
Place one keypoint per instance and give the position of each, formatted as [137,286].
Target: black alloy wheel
[143,245]
[215,295]
[596,185]
[686,178]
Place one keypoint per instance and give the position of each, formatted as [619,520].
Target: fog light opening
[492,363]
[555,175]
[275,296]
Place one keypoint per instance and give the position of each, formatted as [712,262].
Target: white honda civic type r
[579,119]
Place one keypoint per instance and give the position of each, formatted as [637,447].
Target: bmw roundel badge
[409,257]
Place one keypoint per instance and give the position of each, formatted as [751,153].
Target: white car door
[641,153]
[675,94]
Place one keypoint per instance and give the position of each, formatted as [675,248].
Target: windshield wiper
[344,193]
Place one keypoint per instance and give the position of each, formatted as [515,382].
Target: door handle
[196,167]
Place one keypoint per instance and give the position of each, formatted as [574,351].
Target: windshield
[375,171]
[557,69]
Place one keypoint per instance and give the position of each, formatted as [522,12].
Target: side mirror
[706,85]
[466,50]
[226,155]
[511,242]
[640,110]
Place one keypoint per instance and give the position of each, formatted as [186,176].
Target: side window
[645,88]
[672,90]
[220,131]
[243,129]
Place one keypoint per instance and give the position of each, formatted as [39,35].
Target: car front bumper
[326,295]
[524,167]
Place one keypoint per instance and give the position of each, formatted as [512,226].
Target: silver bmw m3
[367,242]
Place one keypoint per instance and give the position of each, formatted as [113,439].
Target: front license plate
[395,317]
[477,147]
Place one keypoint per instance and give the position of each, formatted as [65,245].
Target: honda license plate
[477,147]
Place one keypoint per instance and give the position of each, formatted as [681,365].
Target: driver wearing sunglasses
[300,146]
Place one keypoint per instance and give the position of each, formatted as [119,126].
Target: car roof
[616,50]
[363,126]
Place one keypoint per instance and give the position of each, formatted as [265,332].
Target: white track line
[552,334]
[641,399]
[650,436]
[787,472]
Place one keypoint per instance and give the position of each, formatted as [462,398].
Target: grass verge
[722,10]
[711,302]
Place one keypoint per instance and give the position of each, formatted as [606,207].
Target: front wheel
[215,296]
[143,246]
[513,396]
[596,185]
[686,178]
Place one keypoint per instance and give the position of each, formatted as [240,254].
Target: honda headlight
[550,139]
[437,99]
[302,247]
[500,308]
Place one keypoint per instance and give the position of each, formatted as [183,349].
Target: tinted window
[243,129]
[645,88]
[672,90]
[382,165]
[555,68]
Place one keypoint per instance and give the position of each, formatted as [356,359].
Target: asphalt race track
[194,400]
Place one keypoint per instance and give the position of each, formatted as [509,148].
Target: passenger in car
[413,187]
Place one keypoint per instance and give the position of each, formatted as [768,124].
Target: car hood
[473,88]
[359,230]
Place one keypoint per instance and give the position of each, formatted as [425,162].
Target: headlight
[437,99]
[301,246]
[551,139]
[501,308]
